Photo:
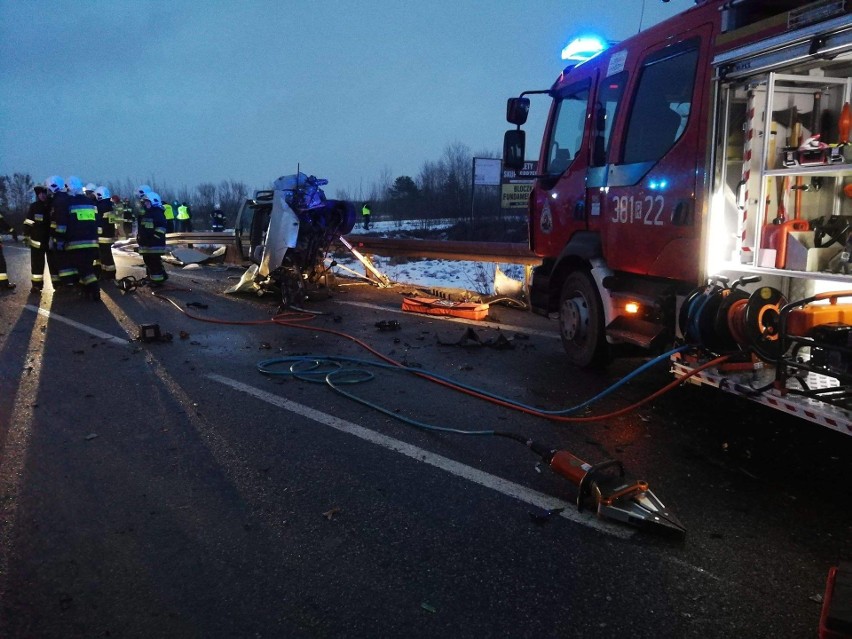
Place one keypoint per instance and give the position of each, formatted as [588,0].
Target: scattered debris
[471,338]
[388,325]
[183,335]
[544,516]
[91,436]
[149,332]
[196,305]
[428,607]
[329,514]
[186,256]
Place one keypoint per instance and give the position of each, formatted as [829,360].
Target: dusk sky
[190,91]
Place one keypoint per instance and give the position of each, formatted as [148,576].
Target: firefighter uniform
[77,239]
[217,219]
[169,214]
[152,238]
[37,232]
[129,216]
[65,272]
[5,284]
[106,233]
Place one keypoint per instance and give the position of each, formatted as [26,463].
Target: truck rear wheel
[581,324]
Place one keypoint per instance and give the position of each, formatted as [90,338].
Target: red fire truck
[695,184]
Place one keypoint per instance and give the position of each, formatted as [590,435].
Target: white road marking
[504,327]
[86,329]
[503,486]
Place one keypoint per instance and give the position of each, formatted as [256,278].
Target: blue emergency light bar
[583,48]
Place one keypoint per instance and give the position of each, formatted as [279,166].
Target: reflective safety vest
[365,210]
[183,212]
[167,209]
[76,223]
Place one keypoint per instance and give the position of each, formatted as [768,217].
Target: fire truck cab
[703,159]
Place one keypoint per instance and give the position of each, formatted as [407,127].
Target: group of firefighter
[71,228]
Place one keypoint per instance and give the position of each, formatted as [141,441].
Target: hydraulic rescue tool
[603,485]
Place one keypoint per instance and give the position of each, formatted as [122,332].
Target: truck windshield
[566,138]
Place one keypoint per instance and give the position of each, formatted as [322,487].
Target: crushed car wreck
[289,231]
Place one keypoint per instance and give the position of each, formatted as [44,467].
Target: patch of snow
[477,277]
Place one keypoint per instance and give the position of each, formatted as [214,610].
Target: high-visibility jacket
[76,218]
[365,210]
[183,212]
[168,211]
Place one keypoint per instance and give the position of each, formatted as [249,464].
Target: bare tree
[19,196]
[204,206]
[379,190]
[456,188]
[4,192]
[231,196]
[184,195]
[431,178]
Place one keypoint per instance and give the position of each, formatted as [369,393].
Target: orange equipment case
[438,306]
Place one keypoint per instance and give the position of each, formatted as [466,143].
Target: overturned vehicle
[288,232]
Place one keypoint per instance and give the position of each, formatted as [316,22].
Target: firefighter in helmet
[56,256]
[152,238]
[37,237]
[77,239]
[106,233]
[217,218]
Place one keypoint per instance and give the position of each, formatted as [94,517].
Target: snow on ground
[477,277]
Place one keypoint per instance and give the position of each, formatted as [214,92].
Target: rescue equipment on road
[447,308]
[603,486]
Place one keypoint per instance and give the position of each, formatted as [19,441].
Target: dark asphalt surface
[145,493]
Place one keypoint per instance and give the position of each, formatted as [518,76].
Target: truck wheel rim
[575,318]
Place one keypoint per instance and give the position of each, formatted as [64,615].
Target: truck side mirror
[517,110]
[514,143]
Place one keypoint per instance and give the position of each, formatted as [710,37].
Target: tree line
[441,190]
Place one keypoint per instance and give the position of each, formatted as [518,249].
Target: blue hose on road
[327,368]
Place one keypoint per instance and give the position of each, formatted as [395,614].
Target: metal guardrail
[503,252]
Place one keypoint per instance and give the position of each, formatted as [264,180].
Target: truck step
[632,330]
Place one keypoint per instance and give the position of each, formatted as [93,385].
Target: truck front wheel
[581,323]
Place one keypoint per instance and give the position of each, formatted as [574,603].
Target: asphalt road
[170,489]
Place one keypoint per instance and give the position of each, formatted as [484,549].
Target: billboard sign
[516,186]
